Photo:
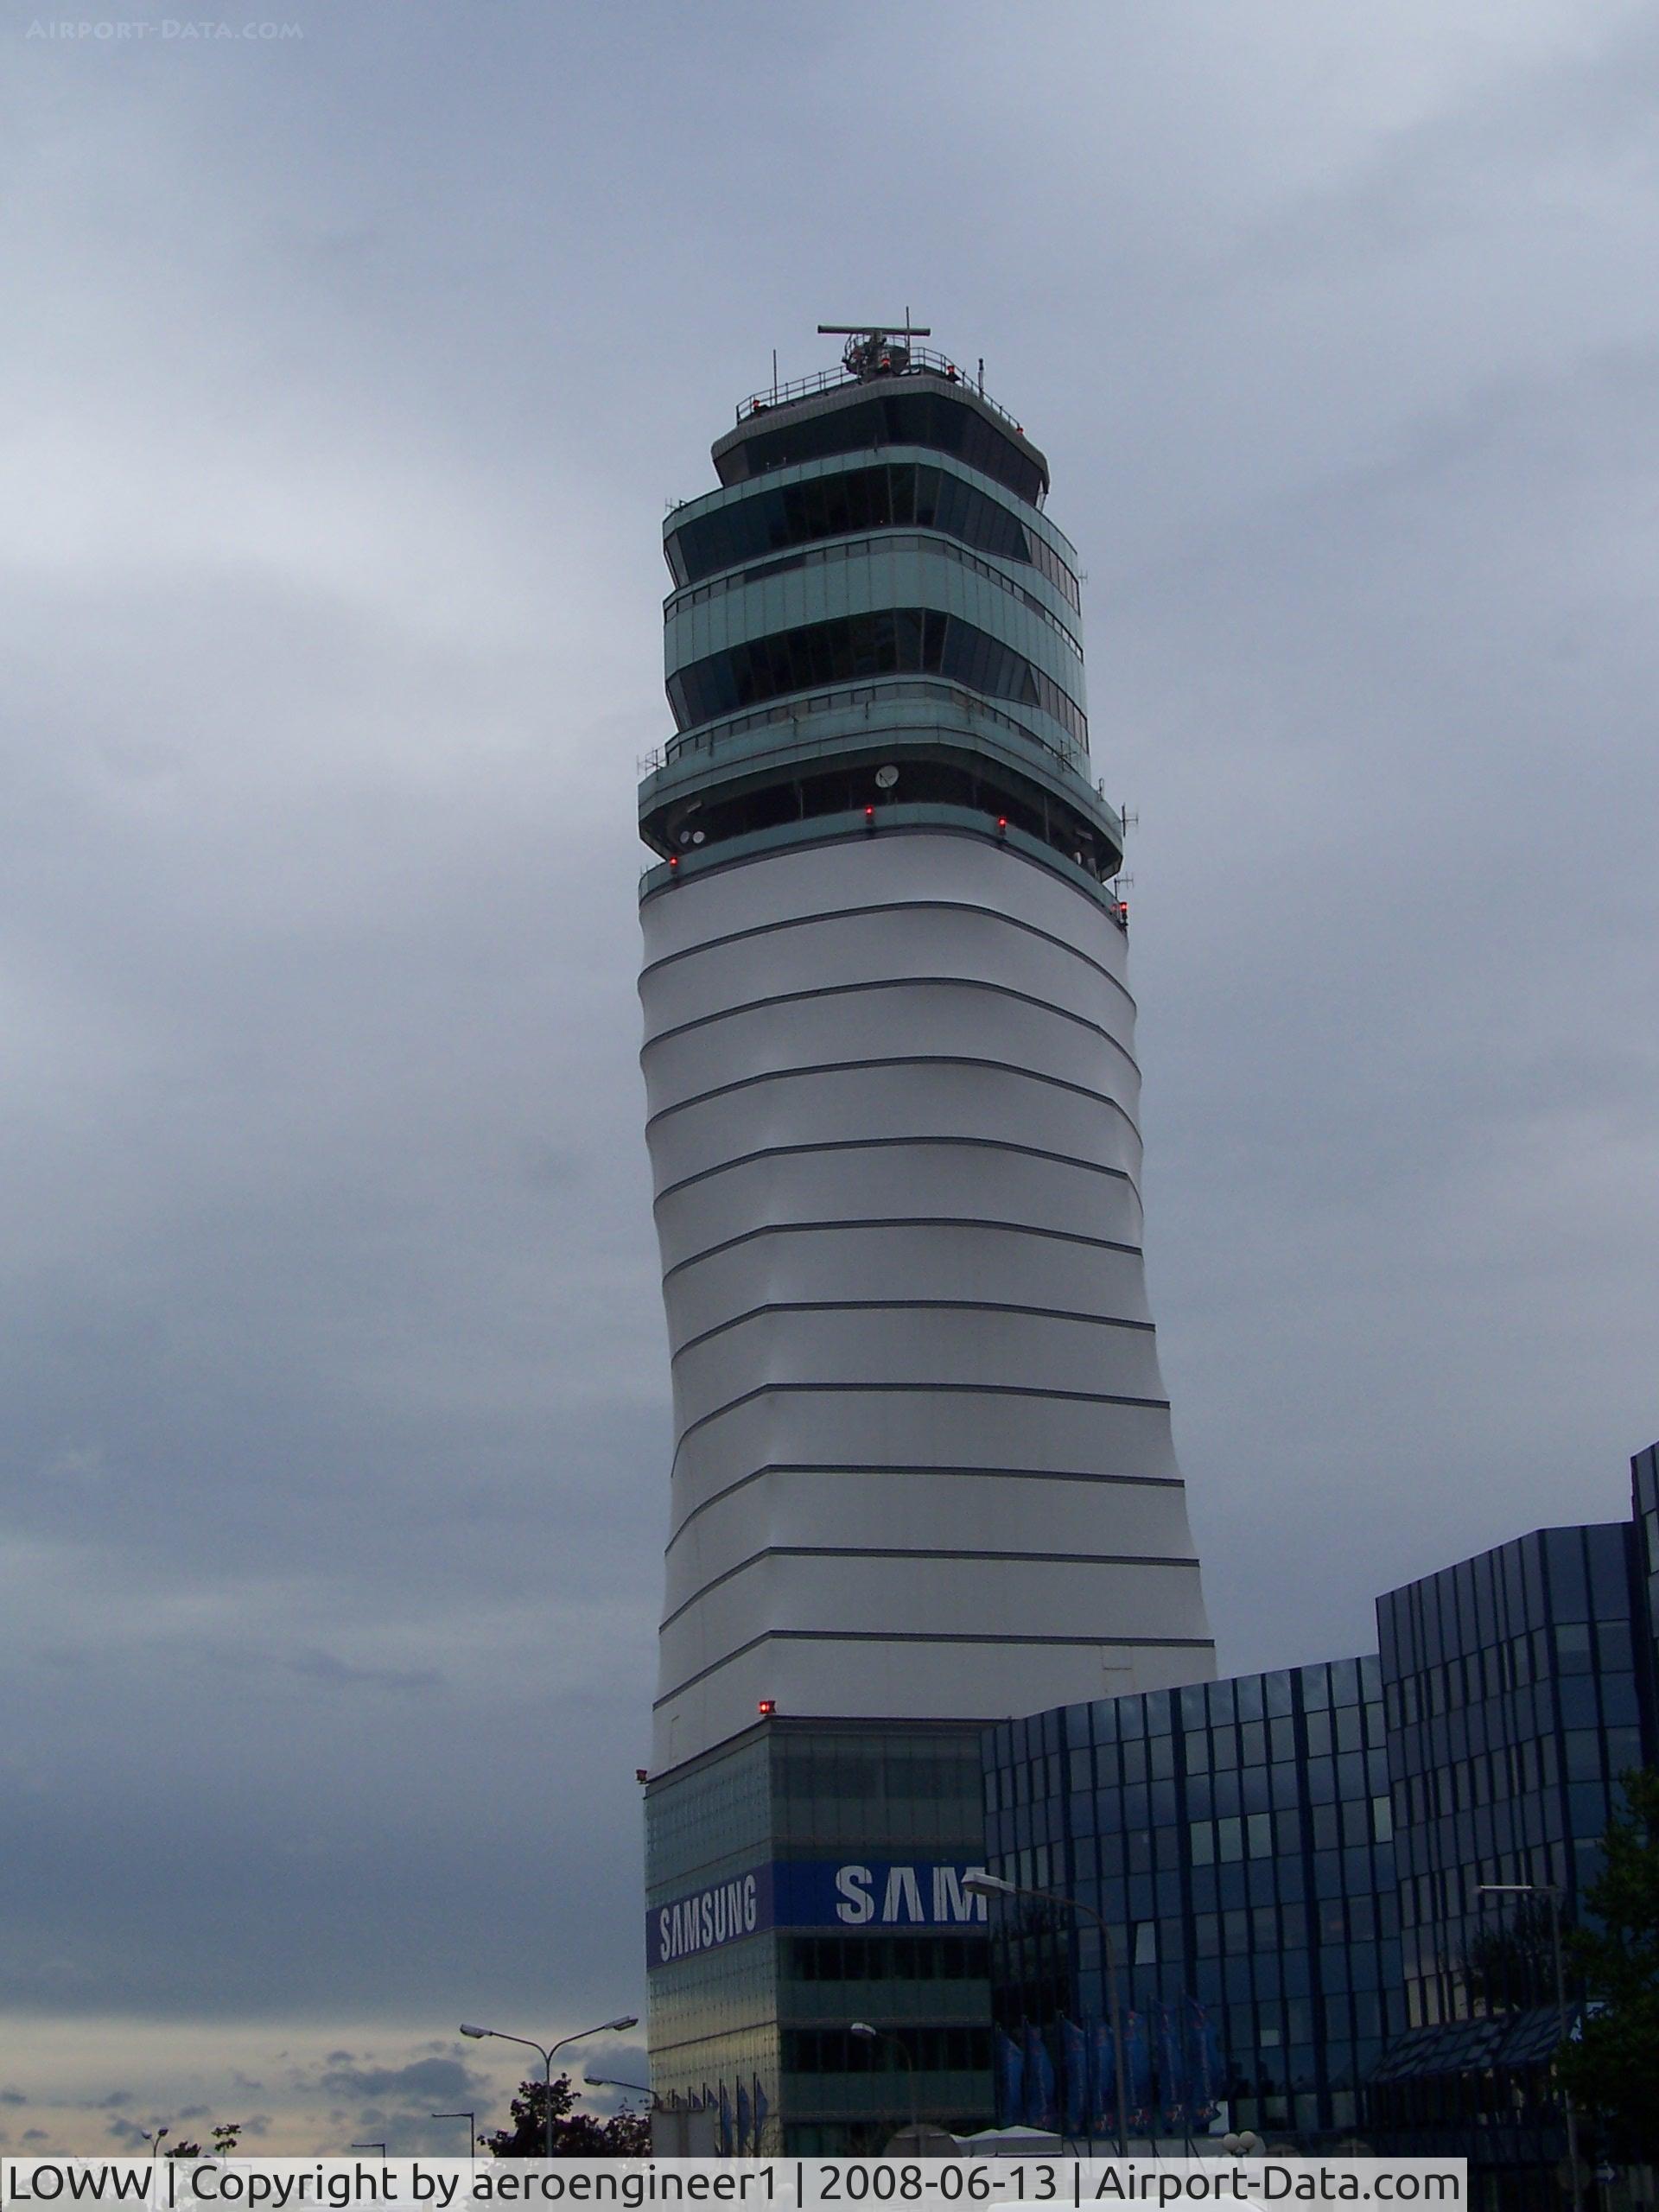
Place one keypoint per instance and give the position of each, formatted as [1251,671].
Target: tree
[1510,1964]
[225,2138]
[575,2134]
[1613,2068]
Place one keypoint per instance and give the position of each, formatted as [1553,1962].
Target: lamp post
[471,2119]
[867,2034]
[1568,2110]
[545,2051]
[992,1885]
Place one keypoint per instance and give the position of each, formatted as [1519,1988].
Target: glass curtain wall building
[1517,1686]
[922,1469]
[1237,1836]
[1295,1864]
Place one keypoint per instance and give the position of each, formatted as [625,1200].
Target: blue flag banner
[725,2123]
[1040,2109]
[1202,2066]
[742,2119]
[761,2109]
[1010,2081]
[1102,2079]
[1137,2065]
[1171,2070]
[1074,2054]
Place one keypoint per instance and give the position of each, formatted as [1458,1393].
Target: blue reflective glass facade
[1330,1887]
[1518,1689]
[1514,1705]
[1645,1488]
[1237,1835]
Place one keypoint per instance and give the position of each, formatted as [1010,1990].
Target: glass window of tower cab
[922,1475]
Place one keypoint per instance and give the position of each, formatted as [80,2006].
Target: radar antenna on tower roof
[876,349]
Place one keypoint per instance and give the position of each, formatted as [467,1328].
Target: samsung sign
[812,1893]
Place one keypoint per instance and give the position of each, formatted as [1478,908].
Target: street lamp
[867,2034]
[545,2051]
[471,2119]
[980,1885]
[610,2082]
[1548,1890]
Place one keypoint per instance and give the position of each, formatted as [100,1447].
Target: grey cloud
[324,1667]
[425,2077]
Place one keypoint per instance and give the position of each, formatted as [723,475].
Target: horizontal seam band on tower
[972,1474]
[924,1389]
[889,906]
[902,1635]
[880,1144]
[905,1551]
[898,1060]
[902,1221]
[907,1305]
[891,983]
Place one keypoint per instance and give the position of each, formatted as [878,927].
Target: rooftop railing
[922,361]
[864,822]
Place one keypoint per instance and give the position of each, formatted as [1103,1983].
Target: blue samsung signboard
[812,1893]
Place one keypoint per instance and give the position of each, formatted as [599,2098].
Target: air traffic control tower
[923,1475]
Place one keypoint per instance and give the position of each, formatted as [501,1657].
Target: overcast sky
[346,376]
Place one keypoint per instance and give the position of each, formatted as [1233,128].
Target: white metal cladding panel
[879,1321]
[852,1427]
[825,951]
[981,1096]
[989,1345]
[898,1679]
[946,1017]
[1009,1571]
[938,1179]
[871,1594]
[1000,1509]
[925,1260]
